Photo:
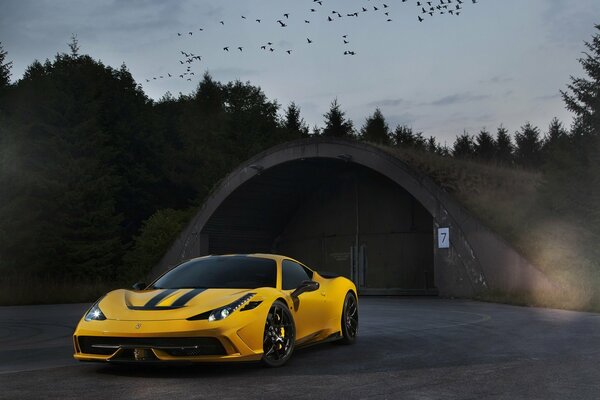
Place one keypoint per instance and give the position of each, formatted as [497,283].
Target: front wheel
[279,337]
[349,319]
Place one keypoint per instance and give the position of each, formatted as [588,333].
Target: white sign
[443,238]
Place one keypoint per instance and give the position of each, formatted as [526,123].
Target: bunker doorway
[335,216]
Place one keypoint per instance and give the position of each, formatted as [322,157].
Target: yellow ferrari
[220,308]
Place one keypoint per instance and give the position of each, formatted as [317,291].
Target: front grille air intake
[185,346]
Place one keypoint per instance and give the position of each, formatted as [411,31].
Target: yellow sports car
[220,308]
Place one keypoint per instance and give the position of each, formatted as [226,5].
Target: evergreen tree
[5,67]
[464,146]
[485,146]
[556,137]
[583,95]
[432,146]
[528,149]
[404,136]
[572,171]
[336,125]
[293,123]
[504,146]
[376,129]
[74,46]
[84,169]
[444,150]
[252,124]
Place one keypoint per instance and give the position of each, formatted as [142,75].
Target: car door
[309,306]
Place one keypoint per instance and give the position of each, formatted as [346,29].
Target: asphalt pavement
[408,348]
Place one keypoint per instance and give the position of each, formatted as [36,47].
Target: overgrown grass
[507,200]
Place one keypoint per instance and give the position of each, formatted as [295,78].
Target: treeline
[528,147]
[86,158]
[96,178]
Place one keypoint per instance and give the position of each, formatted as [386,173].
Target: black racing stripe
[156,299]
[180,302]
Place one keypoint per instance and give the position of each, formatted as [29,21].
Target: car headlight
[225,311]
[95,313]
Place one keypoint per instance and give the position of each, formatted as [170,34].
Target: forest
[97,179]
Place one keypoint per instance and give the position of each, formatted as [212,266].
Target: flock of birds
[316,12]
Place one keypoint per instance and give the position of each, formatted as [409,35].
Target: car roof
[276,257]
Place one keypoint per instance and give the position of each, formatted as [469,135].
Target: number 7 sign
[443,238]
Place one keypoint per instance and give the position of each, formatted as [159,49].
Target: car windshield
[232,272]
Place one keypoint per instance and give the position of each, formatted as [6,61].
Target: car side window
[293,274]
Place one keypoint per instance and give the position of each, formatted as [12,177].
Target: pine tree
[556,137]
[504,146]
[583,95]
[432,146]
[571,182]
[293,123]
[528,149]
[85,169]
[336,125]
[376,129]
[464,146]
[5,67]
[485,146]
[404,136]
[74,46]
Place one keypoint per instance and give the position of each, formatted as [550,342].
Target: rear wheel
[349,319]
[279,337]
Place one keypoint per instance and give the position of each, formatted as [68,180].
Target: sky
[498,62]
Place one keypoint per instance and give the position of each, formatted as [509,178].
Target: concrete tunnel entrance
[335,216]
[360,211]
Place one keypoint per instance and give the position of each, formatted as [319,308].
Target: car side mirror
[305,286]
[139,286]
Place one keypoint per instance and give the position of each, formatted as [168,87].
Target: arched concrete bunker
[354,209]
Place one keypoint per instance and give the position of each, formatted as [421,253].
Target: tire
[349,319]
[280,335]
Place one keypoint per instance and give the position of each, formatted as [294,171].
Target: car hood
[166,304]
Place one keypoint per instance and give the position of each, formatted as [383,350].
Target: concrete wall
[477,260]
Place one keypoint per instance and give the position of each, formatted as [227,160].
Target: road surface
[408,348]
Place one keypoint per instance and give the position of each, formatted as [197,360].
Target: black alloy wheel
[279,337]
[349,319]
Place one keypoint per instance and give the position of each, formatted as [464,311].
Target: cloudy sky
[499,61]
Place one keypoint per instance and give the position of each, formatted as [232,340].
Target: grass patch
[508,201]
